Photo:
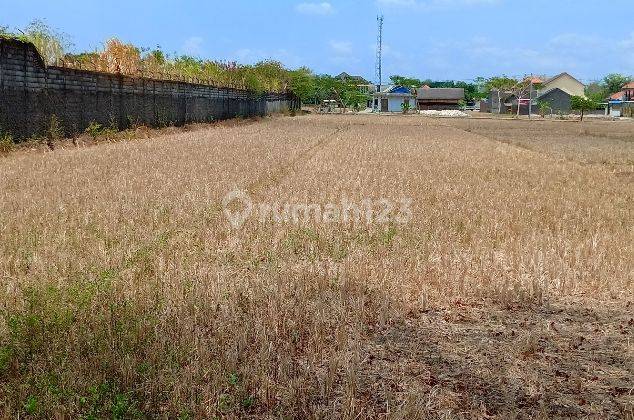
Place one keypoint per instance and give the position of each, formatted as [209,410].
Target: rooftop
[441,93]
[617,96]
[561,75]
[535,80]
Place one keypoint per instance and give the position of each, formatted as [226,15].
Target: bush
[583,104]
[55,130]
[94,129]
[6,143]
[544,108]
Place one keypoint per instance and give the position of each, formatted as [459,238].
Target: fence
[31,93]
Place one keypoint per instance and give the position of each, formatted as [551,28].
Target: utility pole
[379,53]
[530,100]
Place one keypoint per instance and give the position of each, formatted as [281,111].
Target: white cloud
[193,46]
[342,54]
[573,41]
[627,43]
[435,4]
[250,56]
[341,47]
[579,54]
[323,8]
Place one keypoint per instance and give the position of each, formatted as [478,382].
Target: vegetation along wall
[32,93]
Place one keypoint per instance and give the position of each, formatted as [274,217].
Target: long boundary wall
[31,93]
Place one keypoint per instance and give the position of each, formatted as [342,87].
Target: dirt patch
[564,360]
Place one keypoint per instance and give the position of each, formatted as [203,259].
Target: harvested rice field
[318,266]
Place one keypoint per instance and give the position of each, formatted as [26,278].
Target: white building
[393,99]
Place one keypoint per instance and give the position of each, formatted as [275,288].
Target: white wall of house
[566,83]
[394,104]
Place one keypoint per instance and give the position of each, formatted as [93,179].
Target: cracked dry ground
[508,294]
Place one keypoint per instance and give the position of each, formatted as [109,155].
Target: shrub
[6,143]
[544,108]
[583,104]
[94,129]
[54,131]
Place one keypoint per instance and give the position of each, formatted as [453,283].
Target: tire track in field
[488,137]
[270,180]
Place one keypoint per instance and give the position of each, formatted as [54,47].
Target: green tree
[597,91]
[472,91]
[271,76]
[353,98]
[406,81]
[582,104]
[614,82]
[325,87]
[188,66]
[303,84]
[50,43]
[158,55]
[346,93]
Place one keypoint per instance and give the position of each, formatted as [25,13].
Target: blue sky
[438,39]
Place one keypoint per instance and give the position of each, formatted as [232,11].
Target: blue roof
[399,89]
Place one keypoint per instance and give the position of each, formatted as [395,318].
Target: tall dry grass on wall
[126,293]
[120,58]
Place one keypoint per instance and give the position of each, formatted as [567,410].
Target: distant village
[532,95]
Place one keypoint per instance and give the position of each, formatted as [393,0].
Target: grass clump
[6,142]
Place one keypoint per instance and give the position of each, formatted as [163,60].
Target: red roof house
[628,92]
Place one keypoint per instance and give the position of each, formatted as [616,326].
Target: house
[628,100]
[621,104]
[557,99]
[498,102]
[535,80]
[558,91]
[345,77]
[628,92]
[566,83]
[618,96]
[439,98]
[393,99]
[615,104]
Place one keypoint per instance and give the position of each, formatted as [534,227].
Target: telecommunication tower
[379,52]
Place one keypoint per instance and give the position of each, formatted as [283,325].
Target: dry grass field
[508,293]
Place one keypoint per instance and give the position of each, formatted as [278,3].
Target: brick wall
[30,93]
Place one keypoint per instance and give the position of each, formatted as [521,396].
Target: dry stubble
[125,291]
